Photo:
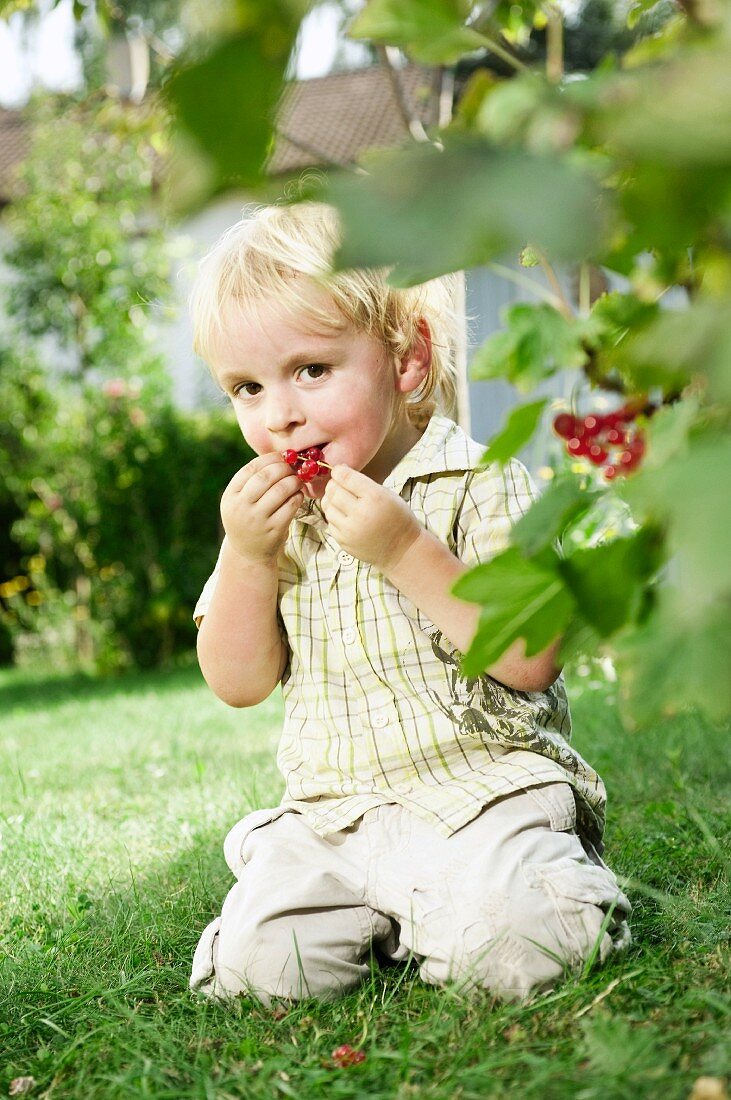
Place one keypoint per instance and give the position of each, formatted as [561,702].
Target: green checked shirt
[376,710]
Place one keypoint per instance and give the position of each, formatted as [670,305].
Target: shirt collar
[444,447]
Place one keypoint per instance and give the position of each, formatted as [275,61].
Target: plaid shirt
[376,710]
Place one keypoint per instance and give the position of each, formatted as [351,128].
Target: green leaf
[520,598]
[676,112]
[537,342]
[480,202]
[518,428]
[579,641]
[672,661]
[430,31]
[226,102]
[609,582]
[562,503]
[614,313]
[689,493]
[668,432]
[682,344]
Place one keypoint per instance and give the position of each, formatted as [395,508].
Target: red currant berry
[565,425]
[616,437]
[592,425]
[626,460]
[308,470]
[577,446]
[597,454]
[290,457]
[637,445]
[610,472]
[314,453]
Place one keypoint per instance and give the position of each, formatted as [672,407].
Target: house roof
[335,118]
[325,120]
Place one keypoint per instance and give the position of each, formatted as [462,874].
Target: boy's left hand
[370,522]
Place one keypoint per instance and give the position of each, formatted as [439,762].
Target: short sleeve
[494,500]
[204,600]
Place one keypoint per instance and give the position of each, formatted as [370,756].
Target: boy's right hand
[258,505]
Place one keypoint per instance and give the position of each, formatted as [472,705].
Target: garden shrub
[117,526]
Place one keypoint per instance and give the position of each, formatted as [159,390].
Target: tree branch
[412,122]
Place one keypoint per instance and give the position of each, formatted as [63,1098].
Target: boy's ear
[414,366]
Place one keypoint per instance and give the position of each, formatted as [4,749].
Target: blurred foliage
[108,494]
[88,254]
[115,496]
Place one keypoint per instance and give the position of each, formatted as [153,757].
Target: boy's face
[296,386]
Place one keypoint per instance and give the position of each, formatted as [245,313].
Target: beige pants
[511,902]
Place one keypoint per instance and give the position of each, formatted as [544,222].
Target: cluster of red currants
[306,464]
[601,437]
[345,1056]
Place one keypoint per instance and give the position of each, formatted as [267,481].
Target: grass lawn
[115,797]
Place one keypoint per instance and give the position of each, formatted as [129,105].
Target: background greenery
[116,797]
[108,492]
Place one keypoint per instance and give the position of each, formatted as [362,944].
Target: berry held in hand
[306,464]
[596,435]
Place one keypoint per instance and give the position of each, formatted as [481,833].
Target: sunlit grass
[115,798]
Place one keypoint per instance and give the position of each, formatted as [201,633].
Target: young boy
[425,815]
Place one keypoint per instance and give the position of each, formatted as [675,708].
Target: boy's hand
[370,522]
[258,505]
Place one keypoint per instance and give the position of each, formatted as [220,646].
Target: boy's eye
[318,368]
[245,389]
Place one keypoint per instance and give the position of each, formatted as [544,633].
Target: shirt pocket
[234,846]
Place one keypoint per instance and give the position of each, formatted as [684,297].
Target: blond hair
[263,255]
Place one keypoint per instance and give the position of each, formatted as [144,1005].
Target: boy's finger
[246,472]
[352,480]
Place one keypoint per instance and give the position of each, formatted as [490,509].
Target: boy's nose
[282,413]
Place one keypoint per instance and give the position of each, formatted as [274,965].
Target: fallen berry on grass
[345,1056]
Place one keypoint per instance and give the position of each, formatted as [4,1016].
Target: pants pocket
[583,894]
[234,846]
[557,802]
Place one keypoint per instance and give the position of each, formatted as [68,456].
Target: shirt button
[345,558]
[379,721]
[348,636]
[402,788]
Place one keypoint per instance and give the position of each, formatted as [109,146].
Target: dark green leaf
[537,342]
[562,503]
[519,427]
[579,640]
[608,582]
[226,102]
[520,599]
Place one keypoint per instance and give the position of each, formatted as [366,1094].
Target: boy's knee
[531,947]
[506,964]
[268,961]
